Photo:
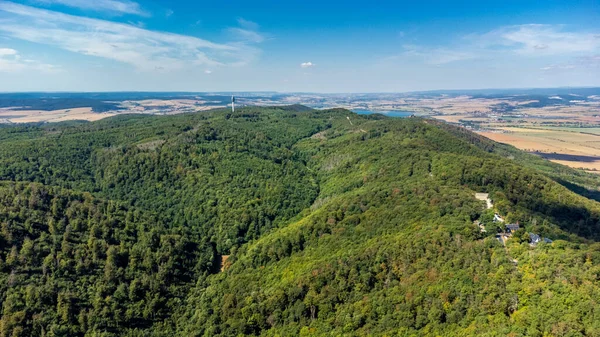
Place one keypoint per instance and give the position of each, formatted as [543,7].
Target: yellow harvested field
[522,130]
[151,107]
[527,102]
[35,116]
[458,118]
[567,148]
[153,103]
[585,114]
[451,118]
[566,131]
[588,166]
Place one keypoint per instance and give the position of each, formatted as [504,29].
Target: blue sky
[310,46]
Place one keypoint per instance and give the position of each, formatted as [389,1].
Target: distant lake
[386,113]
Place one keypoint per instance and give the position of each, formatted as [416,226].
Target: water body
[394,113]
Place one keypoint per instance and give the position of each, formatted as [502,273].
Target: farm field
[161,107]
[585,130]
[564,146]
[36,116]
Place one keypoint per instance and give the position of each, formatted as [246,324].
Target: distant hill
[491,93]
[330,227]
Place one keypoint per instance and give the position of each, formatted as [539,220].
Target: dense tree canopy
[118,227]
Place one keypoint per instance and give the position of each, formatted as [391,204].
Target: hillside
[118,227]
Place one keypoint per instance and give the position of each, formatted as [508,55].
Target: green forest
[288,221]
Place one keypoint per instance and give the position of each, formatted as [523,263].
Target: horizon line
[291,92]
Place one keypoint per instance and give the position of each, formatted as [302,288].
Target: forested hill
[333,224]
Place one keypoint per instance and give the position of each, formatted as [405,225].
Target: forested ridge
[332,227]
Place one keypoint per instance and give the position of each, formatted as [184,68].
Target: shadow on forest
[572,219]
[590,194]
[566,157]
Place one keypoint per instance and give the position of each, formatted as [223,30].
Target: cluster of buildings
[510,229]
[534,239]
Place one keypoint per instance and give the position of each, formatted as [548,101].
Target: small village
[510,229]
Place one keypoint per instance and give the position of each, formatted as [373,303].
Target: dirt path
[485,197]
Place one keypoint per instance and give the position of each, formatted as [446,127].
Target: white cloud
[247,31]
[140,24]
[583,62]
[437,56]
[519,42]
[307,65]
[246,35]
[112,6]
[559,67]
[247,24]
[7,51]
[539,40]
[593,60]
[208,72]
[11,61]
[144,49]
